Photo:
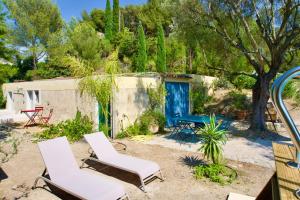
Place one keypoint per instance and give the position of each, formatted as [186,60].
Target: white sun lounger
[234,196]
[107,155]
[65,174]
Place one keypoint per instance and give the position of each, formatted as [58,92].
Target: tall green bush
[161,59]
[108,21]
[141,57]
[116,17]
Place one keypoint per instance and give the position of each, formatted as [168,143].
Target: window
[33,98]
[9,102]
[37,96]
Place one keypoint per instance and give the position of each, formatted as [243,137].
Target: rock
[15,187]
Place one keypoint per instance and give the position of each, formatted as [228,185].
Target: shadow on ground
[114,172]
[3,175]
[191,161]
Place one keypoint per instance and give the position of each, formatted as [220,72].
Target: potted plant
[240,104]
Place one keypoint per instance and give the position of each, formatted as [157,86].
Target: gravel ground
[27,164]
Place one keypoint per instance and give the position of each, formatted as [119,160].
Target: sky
[74,8]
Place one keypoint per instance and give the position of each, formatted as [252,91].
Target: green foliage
[46,71]
[78,47]
[126,42]
[33,29]
[240,100]
[141,126]
[291,91]
[2,99]
[221,83]
[116,17]
[216,173]
[86,44]
[101,88]
[130,131]
[161,61]
[156,96]
[96,18]
[200,97]
[152,14]
[213,138]
[5,52]
[72,129]
[108,21]
[141,57]
[244,82]
[7,73]
[176,55]
[152,118]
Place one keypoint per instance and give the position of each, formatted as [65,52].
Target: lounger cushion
[234,196]
[91,186]
[64,172]
[143,168]
[109,156]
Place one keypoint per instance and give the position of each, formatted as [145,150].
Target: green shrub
[240,101]
[72,129]
[130,131]
[141,125]
[244,82]
[212,138]
[200,97]
[44,71]
[215,173]
[156,97]
[292,91]
[221,83]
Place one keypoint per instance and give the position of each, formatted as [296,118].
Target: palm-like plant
[213,138]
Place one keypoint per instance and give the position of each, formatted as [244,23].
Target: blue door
[177,101]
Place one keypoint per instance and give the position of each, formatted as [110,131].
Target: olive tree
[266,32]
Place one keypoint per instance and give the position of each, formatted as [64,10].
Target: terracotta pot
[241,114]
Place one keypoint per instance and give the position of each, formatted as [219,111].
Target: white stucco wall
[129,99]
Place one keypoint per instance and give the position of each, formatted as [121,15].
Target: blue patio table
[189,124]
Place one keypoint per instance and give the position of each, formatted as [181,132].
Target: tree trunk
[260,97]
[191,55]
[34,62]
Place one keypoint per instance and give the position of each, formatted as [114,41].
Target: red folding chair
[46,119]
[40,110]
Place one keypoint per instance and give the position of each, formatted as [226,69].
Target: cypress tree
[141,59]
[161,63]
[108,21]
[122,22]
[116,12]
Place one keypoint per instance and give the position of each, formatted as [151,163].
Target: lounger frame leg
[125,197]
[143,187]
[162,178]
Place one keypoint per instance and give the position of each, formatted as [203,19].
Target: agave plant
[213,138]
